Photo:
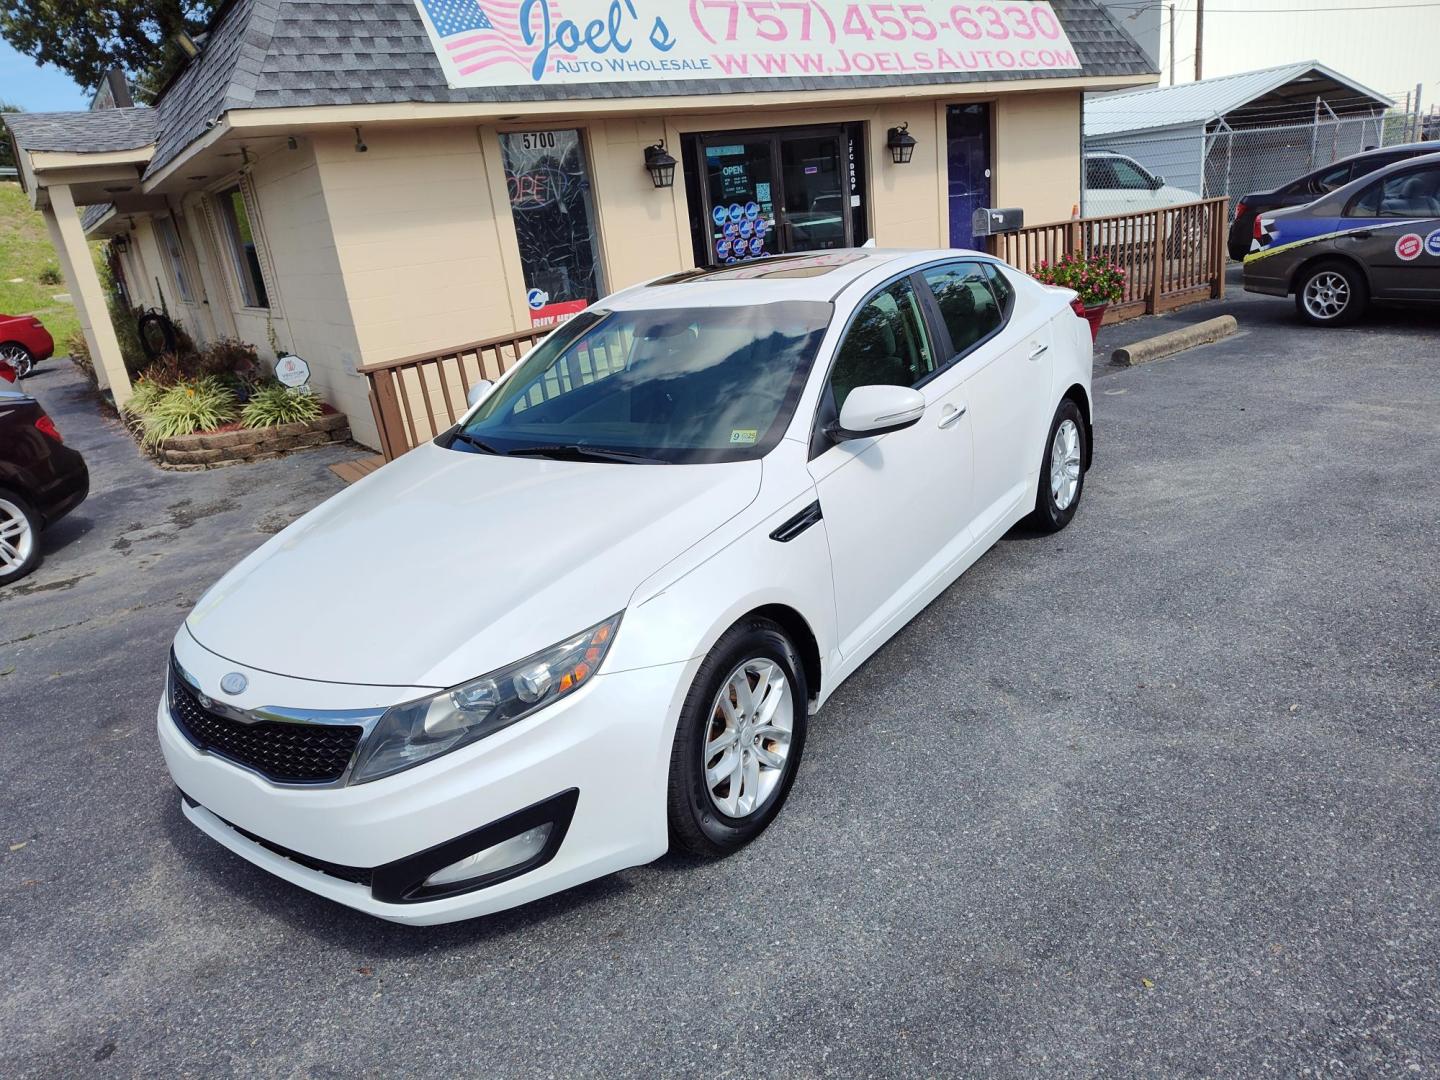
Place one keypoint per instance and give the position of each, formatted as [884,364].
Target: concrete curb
[1176,341]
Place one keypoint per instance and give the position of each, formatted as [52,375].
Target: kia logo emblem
[234,683]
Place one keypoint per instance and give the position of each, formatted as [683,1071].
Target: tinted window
[886,345]
[1404,195]
[1004,291]
[1099,175]
[966,302]
[677,384]
[1334,178]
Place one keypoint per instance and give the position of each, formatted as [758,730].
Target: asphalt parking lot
[1159,795]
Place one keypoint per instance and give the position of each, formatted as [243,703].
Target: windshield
[671,385]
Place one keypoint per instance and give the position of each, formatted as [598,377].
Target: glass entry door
[771,192]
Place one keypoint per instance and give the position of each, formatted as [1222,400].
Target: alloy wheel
[747,739]
[17,358]
[17,539]
[1065,464]
[1327,295]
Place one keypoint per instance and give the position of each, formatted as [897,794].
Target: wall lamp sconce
[901,144]
[121,244]
[360,146]
[660,164]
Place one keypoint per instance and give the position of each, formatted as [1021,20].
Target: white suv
[1116,184]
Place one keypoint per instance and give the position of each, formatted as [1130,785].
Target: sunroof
[777,267]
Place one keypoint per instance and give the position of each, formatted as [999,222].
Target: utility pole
[1172,44]
[1199,39]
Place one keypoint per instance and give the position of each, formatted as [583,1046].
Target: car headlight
[420,730]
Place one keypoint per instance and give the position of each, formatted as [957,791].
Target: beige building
[333,187]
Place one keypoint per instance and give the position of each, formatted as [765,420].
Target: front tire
[1062,470]
[739,739]
[19,537]
[19,358]
[1331,294]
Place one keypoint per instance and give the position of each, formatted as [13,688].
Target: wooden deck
[350,471]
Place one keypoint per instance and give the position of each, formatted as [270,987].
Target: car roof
[1399,148]
[815,276]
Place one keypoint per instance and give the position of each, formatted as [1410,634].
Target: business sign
[291,371]
[554,42]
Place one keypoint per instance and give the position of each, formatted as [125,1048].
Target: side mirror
[1159,183]
[476,393]
[875,410]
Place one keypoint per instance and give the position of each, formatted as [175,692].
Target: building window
[554,211]
[243,248]
[170,241]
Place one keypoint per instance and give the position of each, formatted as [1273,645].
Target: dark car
[1311,186]
[41,480]
[1376,238]
[24,342]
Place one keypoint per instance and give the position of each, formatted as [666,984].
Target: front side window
[1130,176]
[1405,195]
[170,240]
[967,303]
[690,384]
[886,345]
[553,208]
[243,248]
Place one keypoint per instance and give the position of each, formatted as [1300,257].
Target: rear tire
[19,537]
[19,358]
[1331,294]
[1062,470]
[735,755]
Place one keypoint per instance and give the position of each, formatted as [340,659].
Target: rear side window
[1099,175]
[1413,194]
[967,304]
[1004,291]
[1336,177]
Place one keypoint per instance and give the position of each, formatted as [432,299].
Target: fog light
[502,856]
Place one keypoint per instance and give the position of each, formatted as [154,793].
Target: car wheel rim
[19,359]
[1065,465]
[17,539]
[747,738]
[1327,295]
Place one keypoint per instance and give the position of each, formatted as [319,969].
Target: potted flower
[1096,280]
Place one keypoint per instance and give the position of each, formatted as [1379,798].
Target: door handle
[1039,352]
[1362,234]
[951,415]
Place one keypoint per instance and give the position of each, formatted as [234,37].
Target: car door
[895,505]
[1003,358]
[1398,238]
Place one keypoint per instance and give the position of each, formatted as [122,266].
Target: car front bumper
[607,747]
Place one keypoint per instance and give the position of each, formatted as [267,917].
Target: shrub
[79,352]
[144,397]
[188,407]
[275,404]
[1096,279]
[234,362]
[50,276]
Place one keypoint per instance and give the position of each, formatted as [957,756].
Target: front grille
[288,753]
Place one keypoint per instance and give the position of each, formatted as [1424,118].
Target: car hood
[445,565]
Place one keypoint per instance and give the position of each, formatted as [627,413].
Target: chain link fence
[1130,172]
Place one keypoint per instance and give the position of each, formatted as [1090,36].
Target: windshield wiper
[479,444]
[577,452]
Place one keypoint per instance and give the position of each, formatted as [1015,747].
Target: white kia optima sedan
[593,620]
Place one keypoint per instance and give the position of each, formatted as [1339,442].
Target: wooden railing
[1171,257]
[417,397]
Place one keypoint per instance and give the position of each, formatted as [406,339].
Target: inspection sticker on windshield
[745,436]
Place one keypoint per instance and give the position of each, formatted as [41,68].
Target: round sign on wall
[291,370]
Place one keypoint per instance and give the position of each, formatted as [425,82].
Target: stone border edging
[1175,341]
[206,450]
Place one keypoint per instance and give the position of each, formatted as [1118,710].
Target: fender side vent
[798,524]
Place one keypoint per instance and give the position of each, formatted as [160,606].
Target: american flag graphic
[479,37]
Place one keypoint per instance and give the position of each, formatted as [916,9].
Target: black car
[1311,186]
[41,480]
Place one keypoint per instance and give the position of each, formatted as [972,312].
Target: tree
[7,156]
[86,38]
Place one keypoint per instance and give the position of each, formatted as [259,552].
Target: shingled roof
[96,132]
[286,53]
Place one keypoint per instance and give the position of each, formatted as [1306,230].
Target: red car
[24,342]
